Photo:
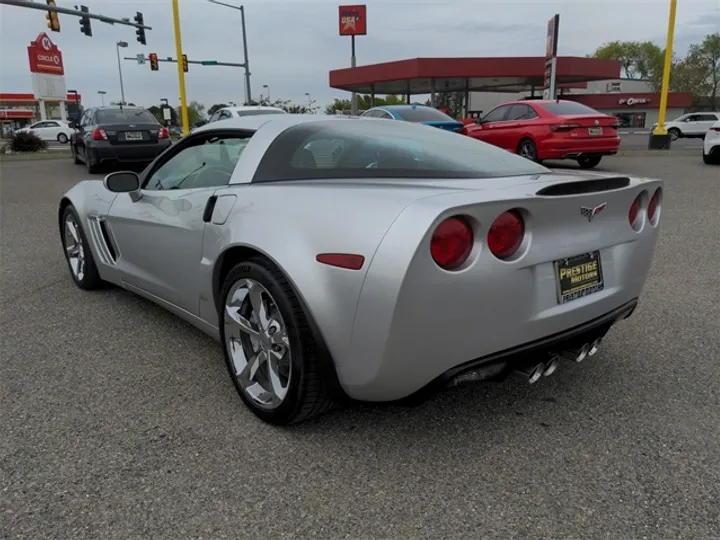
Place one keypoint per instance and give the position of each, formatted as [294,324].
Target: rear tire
[588,162]
[289,352]
[91,167]
[674,133]
[527,149]
[62,138]
[78,253]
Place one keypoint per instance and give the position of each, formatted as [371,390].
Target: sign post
[551,47]
[353,22]
[660,138]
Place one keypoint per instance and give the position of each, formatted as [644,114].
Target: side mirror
[122,182]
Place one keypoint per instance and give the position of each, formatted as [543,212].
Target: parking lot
[120,421]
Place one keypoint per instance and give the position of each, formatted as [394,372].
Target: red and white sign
[45,57]
[633,101]
[353,20]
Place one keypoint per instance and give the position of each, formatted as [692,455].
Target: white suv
[690,125]
[711,147]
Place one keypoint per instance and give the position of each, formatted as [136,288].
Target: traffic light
[153,62]
[52,17]
[140,31]
[85,22]
[185,63]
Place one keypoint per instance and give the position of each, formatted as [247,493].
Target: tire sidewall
[257,272]
[90,278]
[530,144]
[61,136]
[675,134]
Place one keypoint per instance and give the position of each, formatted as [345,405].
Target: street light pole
[248,93]
[267,86]
[102,96]
[309,101]
[122,44]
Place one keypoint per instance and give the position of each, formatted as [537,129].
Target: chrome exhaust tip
[532,373]
[551,367]
[577,355]
[594,347]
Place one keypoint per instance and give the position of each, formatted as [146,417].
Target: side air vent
[595,185]
[102,238]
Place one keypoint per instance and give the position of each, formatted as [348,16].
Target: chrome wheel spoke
[74,249]
[258,305]
[242,323]
[273,367]
[247,374]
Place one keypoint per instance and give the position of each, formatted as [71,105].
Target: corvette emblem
[590,213]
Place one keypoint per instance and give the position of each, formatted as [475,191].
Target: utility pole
[181,73]
[122,44]
[248,92]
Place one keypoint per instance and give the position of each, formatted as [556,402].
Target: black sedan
[117,136]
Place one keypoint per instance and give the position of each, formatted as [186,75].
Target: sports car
[338,258]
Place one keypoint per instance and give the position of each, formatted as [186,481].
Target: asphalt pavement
[120,421]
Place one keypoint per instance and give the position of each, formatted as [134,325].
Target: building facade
[19,110]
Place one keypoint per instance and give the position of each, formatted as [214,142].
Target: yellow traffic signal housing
[185,63]
[153,62]
[52,18]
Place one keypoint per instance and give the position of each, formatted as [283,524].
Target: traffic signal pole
[75,12]
[181,74]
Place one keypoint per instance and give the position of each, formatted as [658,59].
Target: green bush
[26,142]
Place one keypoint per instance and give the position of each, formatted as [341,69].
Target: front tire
[674,133]
[77,250]
[62,138]
[588,162]
[270,352]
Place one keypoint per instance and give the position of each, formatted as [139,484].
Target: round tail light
[451,243]
[653,205]
[506,234]
[634,212]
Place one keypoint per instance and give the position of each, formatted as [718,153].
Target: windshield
[255,112]
[423,114]
[124,116]
[357,148]
[564,108]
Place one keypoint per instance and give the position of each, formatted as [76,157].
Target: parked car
[115,135]
[545,129]
[249,110]
[376,276]
[711,146]
[692,125]
[421,114]
[49,130]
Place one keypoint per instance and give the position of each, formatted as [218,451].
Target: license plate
[133,136]
[595,131]
[579,276]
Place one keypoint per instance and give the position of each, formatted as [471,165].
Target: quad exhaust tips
[535,372]
[578,355]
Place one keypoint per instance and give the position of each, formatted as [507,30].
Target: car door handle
[209,207]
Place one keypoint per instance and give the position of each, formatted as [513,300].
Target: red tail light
[163,133]
[634,212]
[563,127]
[451,243]
[506,234]
[653,205]
[99,135]
[715,129]
[342,260]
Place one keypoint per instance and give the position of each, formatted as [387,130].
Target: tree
[363,103]
[215,108]
[199,107]
[638,59]
[194,116]
[288,106]
[705,56]
[450,100]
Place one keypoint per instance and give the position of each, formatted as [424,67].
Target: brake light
[99,135]
[342,260]
[653,205]
[563,127]
[506,234]
[715,129]
[451,243]
[634,212]
[163,133]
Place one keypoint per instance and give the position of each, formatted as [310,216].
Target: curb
[633,132]
[8,158]
[660,153]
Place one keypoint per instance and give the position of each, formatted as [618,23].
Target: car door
[42,129]
[52,129]
[519,123]
[82,131]
[159,235]
[693,125]
[490,129]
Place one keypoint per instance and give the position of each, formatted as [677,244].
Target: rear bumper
[568,148]
[104,152]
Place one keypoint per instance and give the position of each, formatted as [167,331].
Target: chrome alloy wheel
[257,342]
[527,150]
[74,248]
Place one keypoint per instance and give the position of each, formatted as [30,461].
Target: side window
[369,114]
[214,116]
[52,124]
[693,118]
[207,164]
[384,114]
[521,112]
[708,118]
[85,120]
[39,125]
[496,115]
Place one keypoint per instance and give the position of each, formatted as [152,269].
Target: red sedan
[543,129]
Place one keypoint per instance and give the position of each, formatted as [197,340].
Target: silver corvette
[338,257]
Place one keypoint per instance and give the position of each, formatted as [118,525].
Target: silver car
[338,257]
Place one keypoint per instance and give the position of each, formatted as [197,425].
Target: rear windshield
[124,116]
[256,112]
[423,114]
[346,148]
[568,108]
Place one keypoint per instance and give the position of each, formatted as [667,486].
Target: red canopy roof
[510,74]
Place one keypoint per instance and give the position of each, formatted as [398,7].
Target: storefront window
[631,119]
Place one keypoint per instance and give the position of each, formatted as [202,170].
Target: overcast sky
[293,44]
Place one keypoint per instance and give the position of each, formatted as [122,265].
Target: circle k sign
[45,57]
